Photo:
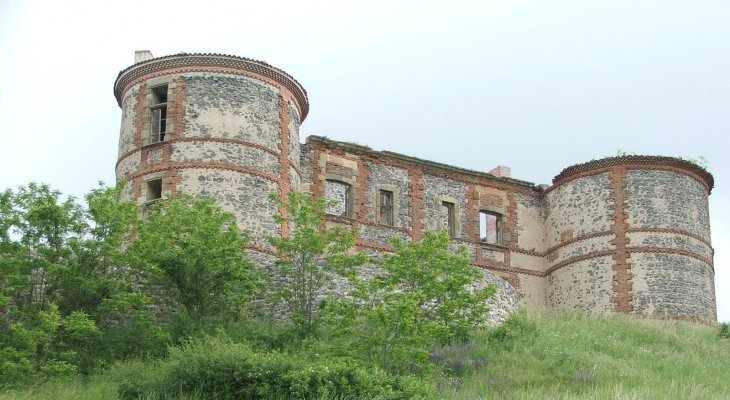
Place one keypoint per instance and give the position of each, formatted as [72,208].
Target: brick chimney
[501,171]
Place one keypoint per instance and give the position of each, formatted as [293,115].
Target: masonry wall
[625,234]
[579,216]
[232,136]
[669,238]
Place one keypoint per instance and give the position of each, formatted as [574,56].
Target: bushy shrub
[218,368]
[519,326]
[724,330]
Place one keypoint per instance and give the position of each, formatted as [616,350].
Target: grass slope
[574,356]
[569,356]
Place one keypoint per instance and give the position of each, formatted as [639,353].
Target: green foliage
[56,265]
[221,369]
[519,327]
[310,257]
[44,345]
[724,330]
[424,297]
[194,250]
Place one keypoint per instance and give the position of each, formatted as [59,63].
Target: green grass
[569,356]
[575,356]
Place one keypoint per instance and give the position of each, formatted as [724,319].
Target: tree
[194,250]
[50,280]
[310,257]
[424,297]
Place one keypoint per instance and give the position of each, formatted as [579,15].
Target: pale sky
[533,85]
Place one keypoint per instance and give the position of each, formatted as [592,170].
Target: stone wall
[628,234]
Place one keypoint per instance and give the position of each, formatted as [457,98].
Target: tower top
[146,66]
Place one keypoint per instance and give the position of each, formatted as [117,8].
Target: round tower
[211,125]
[631,234]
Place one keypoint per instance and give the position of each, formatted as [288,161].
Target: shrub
[519,326]
[218,368]
[724,330]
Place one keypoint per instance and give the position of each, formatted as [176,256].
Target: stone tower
[214,126]
[631,235]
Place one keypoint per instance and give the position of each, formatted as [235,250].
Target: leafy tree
[59,263]
[96,275]
[424,297]
[193,249]
[310,257]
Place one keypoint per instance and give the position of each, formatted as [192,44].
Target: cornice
[637,162]
[196,61]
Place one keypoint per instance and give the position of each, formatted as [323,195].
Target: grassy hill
[568,356]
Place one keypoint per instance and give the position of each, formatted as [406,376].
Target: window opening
[154,189]
[489,227]
[448,215]
[386,207]
[158,111]
[339,195]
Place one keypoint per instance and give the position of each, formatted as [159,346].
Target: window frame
[450,217]
[498,227]
[385,217]
[159,100]
[348,198]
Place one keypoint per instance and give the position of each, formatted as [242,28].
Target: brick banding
[178,166]
[202,140]
[635,162]
[194,62]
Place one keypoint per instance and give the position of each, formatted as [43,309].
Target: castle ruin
[627,234]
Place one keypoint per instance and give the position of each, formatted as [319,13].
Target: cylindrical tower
[631,234]
[212,126]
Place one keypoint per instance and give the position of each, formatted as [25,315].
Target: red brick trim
[622,284]
[284,162]
[378,225]
[361,244]
[260,249]
[426,167]
[178,166]
[362,191]
[577,239]
[214,63]
[529,252]
[177,111]
[140,112]
[200,139]
[665,250]
[679,166]
[472,215]
[415,186]
[576,259]
[679,232]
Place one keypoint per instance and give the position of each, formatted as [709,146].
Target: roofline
[212,60]
[365,150]
[691,168]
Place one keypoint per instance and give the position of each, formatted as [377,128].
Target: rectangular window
[154,190]
[158,114]
[489,227]
[448,214]
[385,203]
[338,195]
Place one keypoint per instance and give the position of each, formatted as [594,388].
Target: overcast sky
[533,85]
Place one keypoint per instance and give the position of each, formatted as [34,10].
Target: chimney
[501,171]
[142,55]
